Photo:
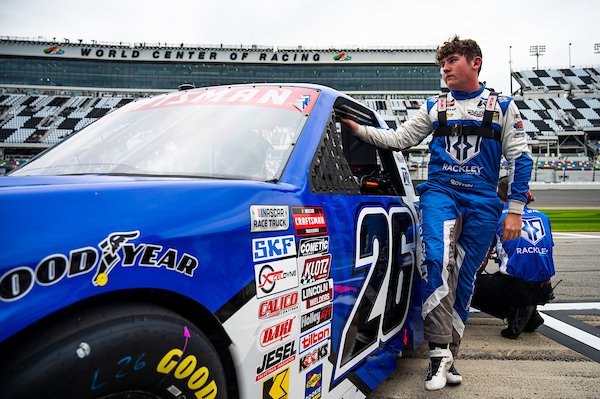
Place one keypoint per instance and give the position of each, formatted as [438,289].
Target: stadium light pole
[510,67]
[570,55]
[537,50]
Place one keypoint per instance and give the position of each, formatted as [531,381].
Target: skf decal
[314,386]
[269,218]
[185,369]
[276,360]
[275,277]
[313,246]
[278,306]
[278,386]
[273,247]
[318,294]
[316,317]
[309,221]
[314,356]
[115,249]
[277,332]
[315,269]
[315,337]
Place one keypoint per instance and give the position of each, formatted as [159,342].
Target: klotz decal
[269,218]
[315,269]
[309,221]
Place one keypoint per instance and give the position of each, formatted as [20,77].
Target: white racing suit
[459,198]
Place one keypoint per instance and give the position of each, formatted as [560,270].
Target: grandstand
[560,110]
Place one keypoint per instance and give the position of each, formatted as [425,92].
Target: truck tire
[128,350]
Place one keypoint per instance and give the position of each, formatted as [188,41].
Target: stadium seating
[47,119]
[553,103]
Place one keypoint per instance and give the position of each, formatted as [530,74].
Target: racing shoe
[517,321]
[534,322]
[453,376]
[440,361]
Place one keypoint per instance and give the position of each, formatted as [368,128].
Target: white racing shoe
[453,376]
[440,361]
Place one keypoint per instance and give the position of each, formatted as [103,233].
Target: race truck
[220,242]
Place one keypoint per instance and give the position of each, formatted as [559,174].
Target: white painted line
[561,306]
[569,306]
[570,331]
[572,235]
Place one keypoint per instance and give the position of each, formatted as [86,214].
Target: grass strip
[574,220]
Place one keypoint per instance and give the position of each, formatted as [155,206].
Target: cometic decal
[117,249]
[313,246]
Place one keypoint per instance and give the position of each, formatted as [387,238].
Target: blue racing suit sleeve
[516,152]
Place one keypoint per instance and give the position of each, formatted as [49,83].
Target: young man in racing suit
[459,208]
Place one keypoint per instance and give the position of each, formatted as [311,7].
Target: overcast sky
[495,25]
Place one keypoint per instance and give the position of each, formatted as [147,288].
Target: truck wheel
[130,350]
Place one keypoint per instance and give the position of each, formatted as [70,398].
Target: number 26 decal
[385,256]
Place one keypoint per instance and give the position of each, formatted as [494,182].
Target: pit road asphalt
[560,360]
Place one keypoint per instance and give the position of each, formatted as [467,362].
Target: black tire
[131,350]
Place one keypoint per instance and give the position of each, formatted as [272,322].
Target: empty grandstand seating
[48,119]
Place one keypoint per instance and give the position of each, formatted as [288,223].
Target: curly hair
[467,48]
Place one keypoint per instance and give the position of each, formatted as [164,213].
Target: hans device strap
[485,130]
